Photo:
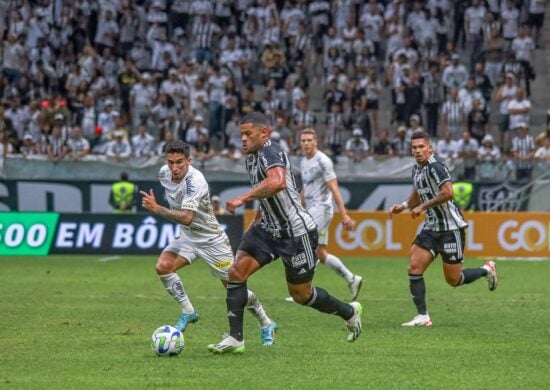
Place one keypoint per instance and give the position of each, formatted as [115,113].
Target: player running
[282,228]
[443,231]
[200,236]
[319,187]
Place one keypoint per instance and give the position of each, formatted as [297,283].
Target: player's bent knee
[236,274]
[452,281]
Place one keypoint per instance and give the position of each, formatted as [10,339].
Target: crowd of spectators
[123,78]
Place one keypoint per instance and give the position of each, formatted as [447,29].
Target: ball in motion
[167,341]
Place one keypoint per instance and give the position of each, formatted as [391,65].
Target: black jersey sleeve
[439,172]
[271,155]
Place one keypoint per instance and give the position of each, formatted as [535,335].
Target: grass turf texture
[76,322]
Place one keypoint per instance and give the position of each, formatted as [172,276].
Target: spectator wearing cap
[28,147]
[106,119]
[143,143]
[77,145]
[176,89]
[467,148]
[142,95]
[488,156]
[446,146]
[504,95]
[357,147]
[455,74]
[216,206]
[401,143]
[523,150]
[192,133]
[119,148]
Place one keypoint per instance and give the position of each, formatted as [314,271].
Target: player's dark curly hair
[179,147]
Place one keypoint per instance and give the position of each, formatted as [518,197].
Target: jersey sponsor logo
[190,187]
[450,247]
[223,264]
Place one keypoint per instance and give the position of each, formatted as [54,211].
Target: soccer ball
[167,341]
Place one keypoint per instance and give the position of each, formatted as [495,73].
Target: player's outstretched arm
[272,184]
[149,202]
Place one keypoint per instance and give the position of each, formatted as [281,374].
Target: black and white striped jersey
[282,215]
[427,179]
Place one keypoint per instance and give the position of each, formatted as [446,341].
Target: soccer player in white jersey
[319,188]
[200,236]
[443,231]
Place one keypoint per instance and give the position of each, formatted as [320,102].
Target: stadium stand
[117,78]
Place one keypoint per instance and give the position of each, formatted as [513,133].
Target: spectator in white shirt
[142,96]
[107,29]
[488,156]
[77,145]
[143,143]
[357,147]
[519,109]
[446,147]
[192,133]
[455,75]
[119,148]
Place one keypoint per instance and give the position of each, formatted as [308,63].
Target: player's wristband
[405,205]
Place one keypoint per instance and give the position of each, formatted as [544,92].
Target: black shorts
[298,253]
[372,104]
[450,244]
[535,20]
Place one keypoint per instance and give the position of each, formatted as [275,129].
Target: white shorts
[216,252]
[322,215]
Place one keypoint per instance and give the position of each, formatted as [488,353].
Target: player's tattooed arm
[272,184]
[444,195]
[183,217]
[149,202]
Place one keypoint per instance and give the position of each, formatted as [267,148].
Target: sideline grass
[75,322]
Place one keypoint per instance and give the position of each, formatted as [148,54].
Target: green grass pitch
[75,322]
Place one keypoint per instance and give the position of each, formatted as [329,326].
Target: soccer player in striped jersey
[443,231]
[282,228]
[200,236]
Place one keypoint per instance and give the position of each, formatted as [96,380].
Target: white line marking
[109,258]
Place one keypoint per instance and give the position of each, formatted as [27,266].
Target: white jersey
[316,171]
[192,194]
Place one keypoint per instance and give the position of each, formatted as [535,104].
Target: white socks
[337,266]
[172,283]
[255,307]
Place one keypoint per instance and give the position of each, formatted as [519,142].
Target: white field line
[109,258]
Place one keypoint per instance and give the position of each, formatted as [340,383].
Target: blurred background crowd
[122,78]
